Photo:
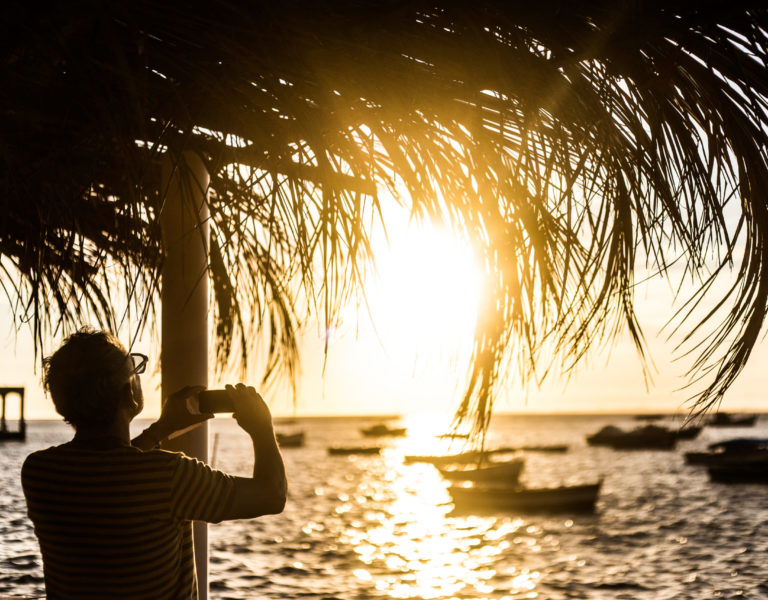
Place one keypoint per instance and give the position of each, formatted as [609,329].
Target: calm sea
[370,527]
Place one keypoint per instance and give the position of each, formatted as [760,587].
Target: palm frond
[572,143]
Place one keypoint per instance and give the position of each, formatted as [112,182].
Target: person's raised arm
[265,492]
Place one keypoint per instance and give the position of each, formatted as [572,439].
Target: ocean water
[372,527]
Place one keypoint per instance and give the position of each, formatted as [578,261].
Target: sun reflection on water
[396,535]
[413,547]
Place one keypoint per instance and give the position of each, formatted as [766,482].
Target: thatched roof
[567,140]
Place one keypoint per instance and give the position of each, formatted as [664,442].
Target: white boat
[474,456]
[447,459]
[508,472]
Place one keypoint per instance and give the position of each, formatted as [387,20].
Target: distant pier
[20,433]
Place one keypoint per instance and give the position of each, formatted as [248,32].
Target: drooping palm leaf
[572,143]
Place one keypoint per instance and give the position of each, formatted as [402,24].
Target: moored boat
[723,419]
[649,417]
[290,440]
[564,498]
[532,448]
[650,437]
[507,472]
[349,450]
[730,452]
[447,459]
[382,430]
[480,455]
[550,448]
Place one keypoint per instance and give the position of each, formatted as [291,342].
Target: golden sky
[413,359]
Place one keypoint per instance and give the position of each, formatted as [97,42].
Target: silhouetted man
[113,516]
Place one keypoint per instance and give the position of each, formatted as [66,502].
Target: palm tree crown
[570,142]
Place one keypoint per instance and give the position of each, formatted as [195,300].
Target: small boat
[453,436]
[536,448]
[723,419]
[730,452]
[651,417]
[479,455]
[507,472]
[551,448]
[290,440]
[650,437]
[565,498]
[382,430]
[447,459]
[349,450]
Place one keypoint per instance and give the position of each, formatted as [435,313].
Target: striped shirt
[116,522]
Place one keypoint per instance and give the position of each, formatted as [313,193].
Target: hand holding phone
[214,401]
[177,416]
[251,412]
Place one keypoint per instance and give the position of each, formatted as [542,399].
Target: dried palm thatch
[569,141]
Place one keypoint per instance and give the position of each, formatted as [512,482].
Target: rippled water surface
[373,527]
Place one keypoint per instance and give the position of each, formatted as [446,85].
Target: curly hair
[85,377]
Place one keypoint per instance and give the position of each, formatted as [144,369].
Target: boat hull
[725,459]
[335,451]
[290,440]
[666,443]
[645,438]
[384,431]
[570,498]
[465,457]
[726,420]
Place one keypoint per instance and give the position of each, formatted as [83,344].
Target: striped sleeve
[200,493]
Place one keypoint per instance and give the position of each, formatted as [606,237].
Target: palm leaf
[572,143]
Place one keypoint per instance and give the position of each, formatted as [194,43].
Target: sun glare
[424,296]
[409,349]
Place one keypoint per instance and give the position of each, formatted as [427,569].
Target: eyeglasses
[139,362]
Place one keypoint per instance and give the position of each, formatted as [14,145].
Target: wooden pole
[184,297]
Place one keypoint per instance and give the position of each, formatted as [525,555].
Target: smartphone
[214,401]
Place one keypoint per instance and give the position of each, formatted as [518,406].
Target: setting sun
[424,295]
[409,350]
